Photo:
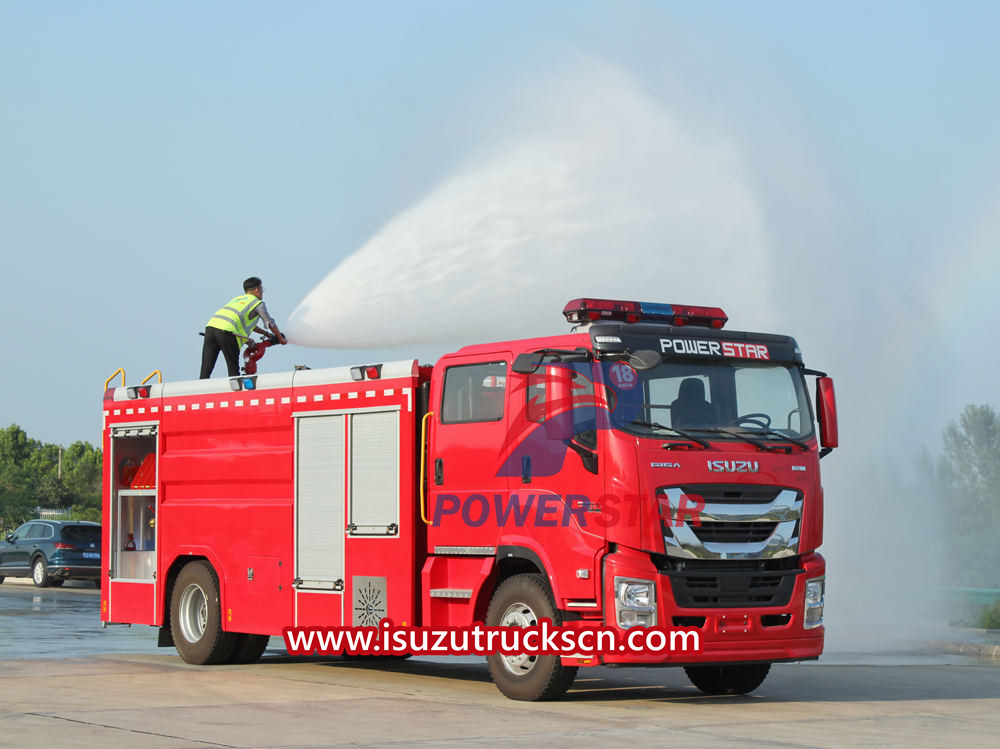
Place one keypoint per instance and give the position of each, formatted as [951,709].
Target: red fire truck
[239,506]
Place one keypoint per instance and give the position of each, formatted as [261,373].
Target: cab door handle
[438,471]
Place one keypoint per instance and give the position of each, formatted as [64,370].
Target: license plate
[91,555]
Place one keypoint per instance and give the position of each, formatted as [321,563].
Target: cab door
[467,452]
[560,417]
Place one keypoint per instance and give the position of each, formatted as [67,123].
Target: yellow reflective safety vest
[237,317]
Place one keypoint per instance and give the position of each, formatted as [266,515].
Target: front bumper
[730,634]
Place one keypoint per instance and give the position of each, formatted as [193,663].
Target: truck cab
[649,469]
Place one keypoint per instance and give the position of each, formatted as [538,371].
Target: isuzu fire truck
[664,472]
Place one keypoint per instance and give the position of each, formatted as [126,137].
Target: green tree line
[968,472]
[33,475]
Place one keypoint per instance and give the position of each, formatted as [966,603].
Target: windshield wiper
[742,434]
[771,433]
[685,435]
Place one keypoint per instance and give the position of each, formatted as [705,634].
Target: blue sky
[153,155]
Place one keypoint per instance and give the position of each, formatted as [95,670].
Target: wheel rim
[38,572]
[519,615]
[193,613]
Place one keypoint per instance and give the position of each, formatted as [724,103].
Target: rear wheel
[196,619]
[521,601]
[739,679]
[249,648]
[39,573]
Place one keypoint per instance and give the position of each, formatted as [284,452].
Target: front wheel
[738,679]
[40,574]
[521,601]
[195,617]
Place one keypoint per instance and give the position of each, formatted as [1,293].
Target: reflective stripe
[249,318]
[227,324]
[237,316]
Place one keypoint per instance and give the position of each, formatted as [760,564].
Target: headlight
[815,594]
[635,595]
[635,602]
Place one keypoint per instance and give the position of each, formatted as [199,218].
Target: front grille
[733,533]
[733,494]
[730,521]
[732,587]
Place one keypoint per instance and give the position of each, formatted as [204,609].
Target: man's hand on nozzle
[281,338]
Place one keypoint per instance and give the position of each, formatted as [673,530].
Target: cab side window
[473,393]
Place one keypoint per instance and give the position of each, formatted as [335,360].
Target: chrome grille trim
[785,510]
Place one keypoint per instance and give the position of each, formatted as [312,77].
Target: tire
[249,648]
[195,617]
[521,601]
[55,582]
[39,573]
[738,679]
[1,579]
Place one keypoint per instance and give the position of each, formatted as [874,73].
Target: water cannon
[585,311]
[254,351]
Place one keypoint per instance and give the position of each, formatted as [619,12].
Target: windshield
[765,398]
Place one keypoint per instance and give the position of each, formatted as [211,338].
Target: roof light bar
[590,310]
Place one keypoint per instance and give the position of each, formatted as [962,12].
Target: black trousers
[215,341]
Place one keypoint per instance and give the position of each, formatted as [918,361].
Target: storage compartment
[133,506]
[135,552]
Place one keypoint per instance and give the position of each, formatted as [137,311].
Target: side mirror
[826,408]
[10,537]
[527,363]
[559,403]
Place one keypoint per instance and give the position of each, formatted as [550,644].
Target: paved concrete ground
[157,701]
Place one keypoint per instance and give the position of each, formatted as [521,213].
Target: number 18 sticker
[623,376]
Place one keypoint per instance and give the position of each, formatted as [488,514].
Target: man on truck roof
[232,325]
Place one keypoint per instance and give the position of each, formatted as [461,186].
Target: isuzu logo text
[715,348]
[733,466]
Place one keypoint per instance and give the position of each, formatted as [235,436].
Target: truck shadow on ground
[788,683]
